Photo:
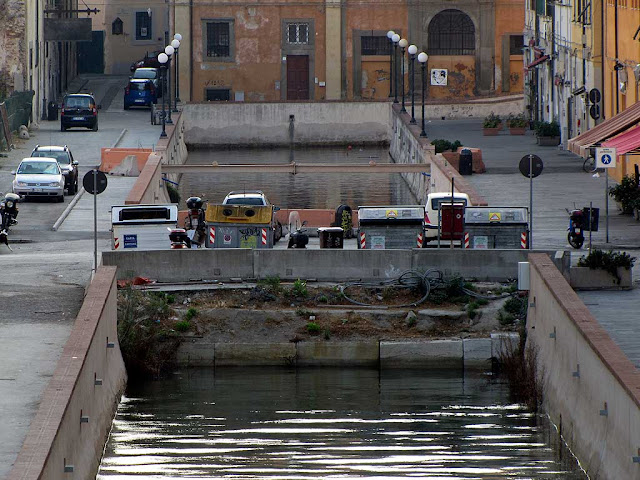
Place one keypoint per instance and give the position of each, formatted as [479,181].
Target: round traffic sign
[100,181]
[606,159]
[536,165]
[594,95]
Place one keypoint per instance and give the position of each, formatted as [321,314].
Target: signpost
[531,166]
[606,158]
[95,182]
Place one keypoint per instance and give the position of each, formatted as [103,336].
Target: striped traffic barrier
[466,239]
[116,243]
[419,240]
[523,240]
[264,236]
[363,243]
[212,236]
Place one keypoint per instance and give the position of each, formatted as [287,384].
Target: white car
[39,177]
[246,197]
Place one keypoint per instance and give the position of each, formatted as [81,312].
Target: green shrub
[445,145]
[609,261]
[547,129]
[182,326]
[472,309]
[506,319]
[517,121]
[174,195]
[191,312]
[299,289]
[323,299]
[313,327]
[326,334]
[303,312]
[491,121]
[270,283]
[514,306]
[626,193]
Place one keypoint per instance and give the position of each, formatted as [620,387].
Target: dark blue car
[139,93]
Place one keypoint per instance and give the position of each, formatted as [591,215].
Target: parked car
[148,73]
[432,208]
[139,93]
[39,177]
[65,159]
[149,60]
[79,110]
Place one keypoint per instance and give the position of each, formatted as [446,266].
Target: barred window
[298,33]
[451,32]
[378,45]
[516,44]
[219,39]
[143,26]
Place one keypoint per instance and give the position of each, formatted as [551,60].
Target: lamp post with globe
[169,51]
[403,44]
[163,58]
[395,38]
[412,71]
[390,35]
[422,58]
[175,43]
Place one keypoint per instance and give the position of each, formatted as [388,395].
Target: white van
[432,207]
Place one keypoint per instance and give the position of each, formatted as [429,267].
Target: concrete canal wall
[469,353]
[256,125]
[591,389]
[67,435]
[174,266]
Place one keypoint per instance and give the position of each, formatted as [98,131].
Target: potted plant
[626,194]
[492,125]
[517,124]
[602,269]
[548,133]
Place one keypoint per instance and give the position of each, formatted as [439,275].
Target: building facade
[330,50]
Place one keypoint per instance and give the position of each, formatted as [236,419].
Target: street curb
[67,210]
[122,134]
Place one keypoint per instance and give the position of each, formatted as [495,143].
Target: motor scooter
[195,220]
[576,228]
[179,238]
[8,215]
[299,238]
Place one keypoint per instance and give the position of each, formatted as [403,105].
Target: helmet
[194,202]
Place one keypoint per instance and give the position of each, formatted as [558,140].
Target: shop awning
[538,61]
[607,129]
[627,142]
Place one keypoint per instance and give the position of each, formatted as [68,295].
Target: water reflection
[300,190]
[328,423]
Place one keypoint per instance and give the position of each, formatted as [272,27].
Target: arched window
[451,32]
[116,27]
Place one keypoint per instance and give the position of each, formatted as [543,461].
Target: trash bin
[465,165]
[331,237]
[52,111]
[343,219]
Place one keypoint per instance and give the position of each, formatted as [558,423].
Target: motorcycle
[576,228]
[299,238]
[8,215]
[179,238]
[195,220]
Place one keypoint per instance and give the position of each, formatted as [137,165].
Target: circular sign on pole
[536,165]
[594,95]
[100,181]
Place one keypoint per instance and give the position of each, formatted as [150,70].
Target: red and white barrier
[523,240]
[212,236]
[363,242]
[116,243]
[466,240]
[263,236]
[419,240]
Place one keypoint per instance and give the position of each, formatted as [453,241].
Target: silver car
[39,177]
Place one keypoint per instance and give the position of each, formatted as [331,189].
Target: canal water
[301,190]
[278,423]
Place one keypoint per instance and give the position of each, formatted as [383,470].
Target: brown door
[297,77]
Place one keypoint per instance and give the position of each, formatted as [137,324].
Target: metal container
[496,227]
[142,227]
[331,237]
[239,226]
[390,227]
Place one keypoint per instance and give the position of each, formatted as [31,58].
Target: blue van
[140,93]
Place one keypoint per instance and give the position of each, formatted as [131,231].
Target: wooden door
[297,77]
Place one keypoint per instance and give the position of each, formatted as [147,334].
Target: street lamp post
[390,35]
[403,44]
[395,38]
[422,58]
[175,43]
[163,58]
[169,51]
[412,70]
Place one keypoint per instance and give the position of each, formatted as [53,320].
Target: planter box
[491,132]
[584,278]
[548,141]
[517,130]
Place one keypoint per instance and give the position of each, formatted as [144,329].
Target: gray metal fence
[14,111]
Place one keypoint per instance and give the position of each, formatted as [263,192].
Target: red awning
[625,142]
[538,61]
[605,130]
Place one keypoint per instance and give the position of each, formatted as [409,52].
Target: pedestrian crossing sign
[605,157]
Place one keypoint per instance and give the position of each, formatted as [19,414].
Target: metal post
[164,74]
[402,110]
[390,68]
[412,70]
[395,62]
[168,73]
[590,226]
[95,221]
[606,204]
[176,99]
[452,221]
[530,202]
[423,133]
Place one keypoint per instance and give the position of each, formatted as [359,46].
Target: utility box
[496,227]
[239,226]
[331,237]
[451,221]
[383,228]
[142,227]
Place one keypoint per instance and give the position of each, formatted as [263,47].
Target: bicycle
[589,165]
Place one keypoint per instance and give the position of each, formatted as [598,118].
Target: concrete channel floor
[45,278]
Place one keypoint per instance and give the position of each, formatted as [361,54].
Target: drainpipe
[616,53]
[191,50]
[603,56]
